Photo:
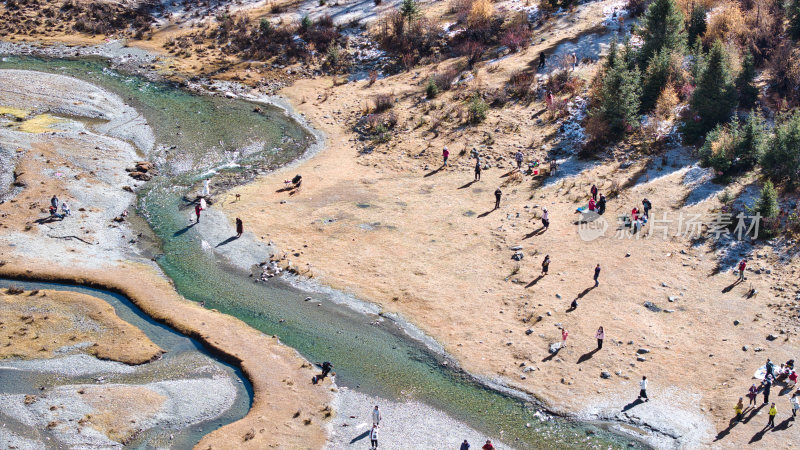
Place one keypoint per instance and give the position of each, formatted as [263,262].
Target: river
[195,133]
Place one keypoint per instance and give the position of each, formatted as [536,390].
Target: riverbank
[93,246]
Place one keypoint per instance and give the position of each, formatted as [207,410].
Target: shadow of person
[533,233]
[757,437]
[184,230]
[360,437]
[536,280]
[632,404]
[228,241]
[50,219]
[753,413]
[729,287]
[468,184]
[783,425]
[722,434]
[587,356]
[487,213]
[586,291]
[551,355]
[433,172]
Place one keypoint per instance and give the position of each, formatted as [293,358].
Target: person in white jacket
[373,436]
[376,416]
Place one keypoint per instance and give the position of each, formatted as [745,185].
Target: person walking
[545,219]
[597,276]
[445,155]
[564,335]
[197,210]
[376,416]
[643,389]
[542,60]
[65,209]
[464,445]
[773,411]
[739,408]
[600,336]
[751,394]
[795,403]
[373,436]
[519,157]
[593,190]
[742,266]
[488,445]
[646,207]
[497,195]
[545,265]
[477,170]
[239,227]
[601,205]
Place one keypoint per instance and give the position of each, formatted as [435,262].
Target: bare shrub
[383,102]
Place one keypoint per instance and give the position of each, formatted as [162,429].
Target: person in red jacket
[197,209]
[742,266]
[592,204]
[488,445]
[445,155]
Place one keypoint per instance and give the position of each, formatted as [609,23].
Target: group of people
[376,421]
[597,205]
[65,211]
[785,374]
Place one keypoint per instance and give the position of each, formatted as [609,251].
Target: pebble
[736,322]
[641,358]
[771,337]
[605,375]
[745,348]
[642,351]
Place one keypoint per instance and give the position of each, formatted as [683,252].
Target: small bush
[520,84]
[444,80]
[517,37]
[383,102]
[431,89]
[477,109]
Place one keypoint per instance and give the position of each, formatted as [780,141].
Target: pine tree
[663,27]
[781,159]
[714,98]
[611,57]
[409,10]
[697,24]
[793,14]
[748,92]
[718,149]
[618,104]
[767,203]
[659,72]
[698,63]
[750,142]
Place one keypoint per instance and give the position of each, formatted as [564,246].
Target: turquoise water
[376,359]
[174,364]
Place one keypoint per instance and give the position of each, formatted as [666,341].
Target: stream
[195,134]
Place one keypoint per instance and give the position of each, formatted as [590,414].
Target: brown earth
[36,324]
[279,392]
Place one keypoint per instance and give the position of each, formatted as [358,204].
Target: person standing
[742,266]
[376,416]
[600,335]
[739,408]
[646,207]
[497,195]
[488,445]
[445,155]
[643,389]
[564,335]
[594,192]
[206,189]
[54,202]
[597,276]
[197,210]
[519,157]
[767,387]
[477,169]
[464,445]
[373,436]
[545,265]
[795,404]
[601,205]
[751,394]
[545,219]
[542,60]
[773,411]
